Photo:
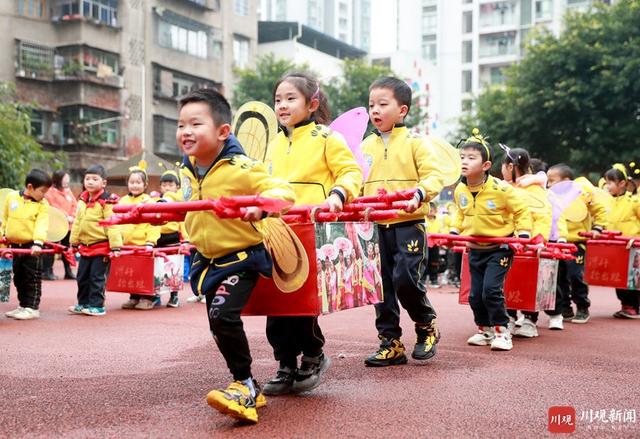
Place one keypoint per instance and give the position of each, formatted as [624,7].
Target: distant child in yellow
[25,223]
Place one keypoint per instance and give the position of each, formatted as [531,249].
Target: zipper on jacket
[289,148]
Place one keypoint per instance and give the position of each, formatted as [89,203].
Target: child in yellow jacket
[139,234]
[492,208]
[587,213]
[516,170]
[230,252]
[172,233]
[94,242]
[400,160]
[624,217]
[321,168]
[25,223]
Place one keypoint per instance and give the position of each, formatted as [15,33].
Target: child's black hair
[538,165]
[401,90]
[96,170]
[57,177]
[485,150]
[520,159]
[615,175]
[564,170]
[310,89]
[38,178]
[141,172]
[218,104]
[170,176]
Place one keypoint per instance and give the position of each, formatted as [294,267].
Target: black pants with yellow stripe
[404,264]
[488,269]
[27,277]
[227,283]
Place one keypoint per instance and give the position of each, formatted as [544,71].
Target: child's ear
[30,187]
[314,105]
[404,110]
[224,131]
[486,166]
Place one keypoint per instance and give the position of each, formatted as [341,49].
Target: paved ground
[134,374]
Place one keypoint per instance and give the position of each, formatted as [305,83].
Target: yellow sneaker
[236,401]
[390,353]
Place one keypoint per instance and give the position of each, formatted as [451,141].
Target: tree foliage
[573,98]
[256,84]
[19,151]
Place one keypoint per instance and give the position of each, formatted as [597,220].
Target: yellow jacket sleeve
[42,223]
[74,239]
[457,219]
[344,168]
[521,214]
[153,234]
[271,187]
[113,232]
[598,212]
[428,173]
[183,232]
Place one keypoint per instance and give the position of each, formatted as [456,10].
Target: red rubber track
[145,374]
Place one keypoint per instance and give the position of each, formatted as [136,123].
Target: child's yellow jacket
[138,234]
[625,215]
[24,219]
[85,229]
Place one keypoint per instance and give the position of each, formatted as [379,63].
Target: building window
[91,126]
[173,85]
[496,75]
[34,60]
[103,11]
[241,7]
[544,9]
[185,35]
[429,47]
[467,51]
[75,60]
[467,22]
[164,136]
[430,22]
[499,44]
[37,124]
[281,10]
[467,81]
[525,13]
[498,14]
[33,8]
[240,51]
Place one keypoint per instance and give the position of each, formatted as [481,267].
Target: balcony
[99,12]
[497,16]
[172,85]
[498,47]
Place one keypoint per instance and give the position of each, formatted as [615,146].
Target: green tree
[256,84]
[19,152]
[572,98]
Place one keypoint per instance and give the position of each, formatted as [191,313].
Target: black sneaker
[173,302]
[568,314]
[428,338]
[310,372]
[282,383]
[390,353]
[582,316]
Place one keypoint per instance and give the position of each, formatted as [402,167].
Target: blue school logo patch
[13,205]
[463,200]
[491,204]
[368,158]
[186,189]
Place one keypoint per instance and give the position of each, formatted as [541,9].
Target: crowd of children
[308,163]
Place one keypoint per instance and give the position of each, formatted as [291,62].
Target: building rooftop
[273,31]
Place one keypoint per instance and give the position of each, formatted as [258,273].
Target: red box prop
[614,266]
[530,284]
[344,272]
[145,274]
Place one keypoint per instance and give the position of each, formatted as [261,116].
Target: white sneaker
[502,340]
[27,314]
[527,330]
[484,337]
[511,326]
[194,299]
[555,322]
[13,312]
[520,320]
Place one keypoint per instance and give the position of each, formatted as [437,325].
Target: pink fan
[342,243]
[561,195]
[352,125]
[328,251]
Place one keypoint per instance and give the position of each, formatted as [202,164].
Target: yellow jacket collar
[397,129]
[300,129]
[479,187]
